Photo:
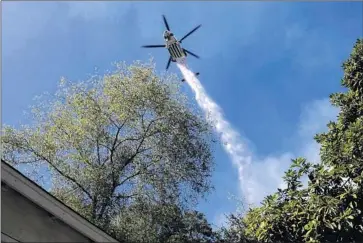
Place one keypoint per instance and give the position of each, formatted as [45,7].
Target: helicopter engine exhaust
[232,141]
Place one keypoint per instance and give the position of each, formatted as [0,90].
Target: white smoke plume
[231,139]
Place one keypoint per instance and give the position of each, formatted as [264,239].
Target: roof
[32,191]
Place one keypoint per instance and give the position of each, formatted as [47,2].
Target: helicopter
[177,53]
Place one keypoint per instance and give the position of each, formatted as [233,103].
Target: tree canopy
[118,143]
[330,208]
[142,223]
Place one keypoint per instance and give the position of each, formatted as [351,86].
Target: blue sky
[270,66]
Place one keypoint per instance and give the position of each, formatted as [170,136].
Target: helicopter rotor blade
[168,64]
[191,32]
[166,23]
[191,53]
[153,46]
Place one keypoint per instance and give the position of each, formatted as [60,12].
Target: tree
[165,223]
[116,140]
[330,208]
[235,232]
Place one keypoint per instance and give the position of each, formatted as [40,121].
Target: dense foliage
[167,223]
[124,145]
[330,208]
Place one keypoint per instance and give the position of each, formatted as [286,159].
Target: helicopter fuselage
[175,50]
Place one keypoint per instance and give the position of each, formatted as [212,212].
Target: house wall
[24,221]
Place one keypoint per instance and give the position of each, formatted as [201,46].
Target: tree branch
[144,135]
[111,159]
[98,151]
[120,196]
[129,177]
[60,172]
